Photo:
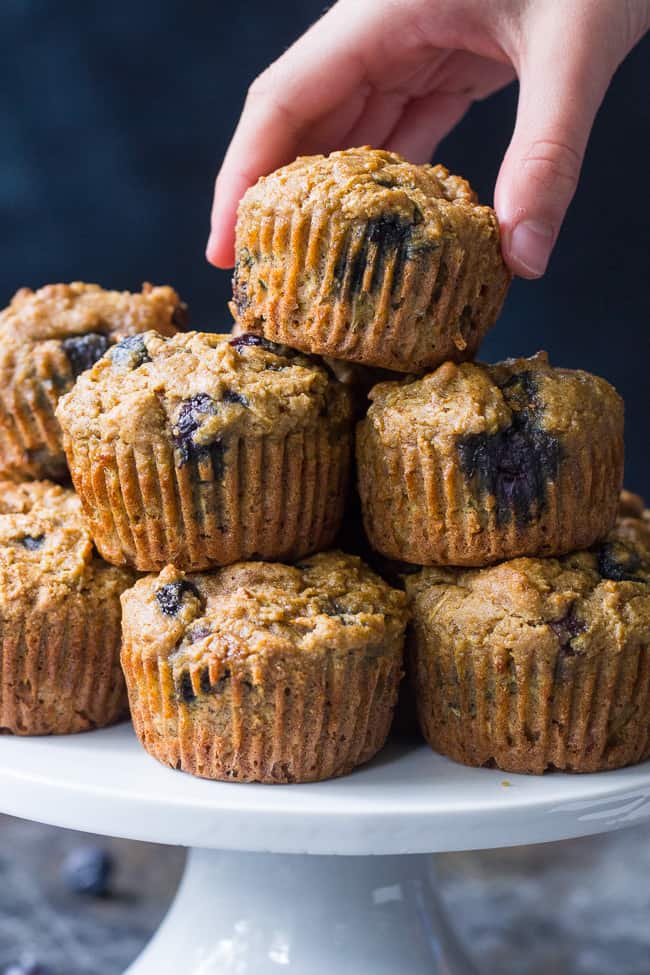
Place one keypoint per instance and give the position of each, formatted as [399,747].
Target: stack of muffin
[219,465]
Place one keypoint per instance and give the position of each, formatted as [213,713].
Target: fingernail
[530,245]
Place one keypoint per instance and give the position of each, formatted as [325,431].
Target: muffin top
[584,601]
[60,330]
[330,602]
[61,311]
[368,184]
[473,399]
[358,182]
[197,389]
[46,552]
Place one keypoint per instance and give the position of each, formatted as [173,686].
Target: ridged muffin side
[60,617]
[263,672]
[203,450]
[537,664]
[473,464]
[363,256]
[47,338]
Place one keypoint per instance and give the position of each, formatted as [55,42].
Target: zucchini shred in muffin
[363,256]
[204,450]
[537,664]
[60,617]
[47,339]
[262,672]
[476,463]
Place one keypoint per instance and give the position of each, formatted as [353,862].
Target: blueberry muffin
[537,664]
[262,672]
[474,463]
[59,617]
[633,522]
[363,256]
[48,338]
[204,450]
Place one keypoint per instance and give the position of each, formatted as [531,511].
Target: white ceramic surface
[407,801]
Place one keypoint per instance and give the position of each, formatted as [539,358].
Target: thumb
[562,83]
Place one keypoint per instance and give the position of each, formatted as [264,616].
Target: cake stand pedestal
[337,877]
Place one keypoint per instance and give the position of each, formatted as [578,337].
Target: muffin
[537,664]
[47,338]
[60,617]
[204,450]
[262,672]
[475,463]
[364,256]
[633,522]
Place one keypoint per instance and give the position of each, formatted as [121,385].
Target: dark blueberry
[618,563]
[185,689]
[520,391]
[247,339]
[230,396]
[130,353]
[190,417]
[334,608]
[566,629]
[514,465]
[206,686]
[170,597]
[83,351]
[87,870]
[181,317]
[32,542]
[389,234]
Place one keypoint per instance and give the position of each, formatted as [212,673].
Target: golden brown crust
[47,337]
[203,451]
[363,256]
[536,663]
[59,617]
[472,463]
[264,672]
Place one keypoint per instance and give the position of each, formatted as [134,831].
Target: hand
[400,74]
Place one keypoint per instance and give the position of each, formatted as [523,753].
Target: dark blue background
[113,119]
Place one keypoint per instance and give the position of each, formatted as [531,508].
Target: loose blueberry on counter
[130,353]
[170,597]
[87,870]
[32,542]
[83,351]
[26,967]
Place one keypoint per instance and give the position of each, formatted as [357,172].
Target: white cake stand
[341,910]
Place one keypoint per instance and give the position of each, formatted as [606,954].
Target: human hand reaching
[399,74]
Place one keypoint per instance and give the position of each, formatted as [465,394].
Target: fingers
[461,79]
[317,75]
[562,83]
[424,123]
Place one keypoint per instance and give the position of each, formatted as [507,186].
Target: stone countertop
[580,907]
